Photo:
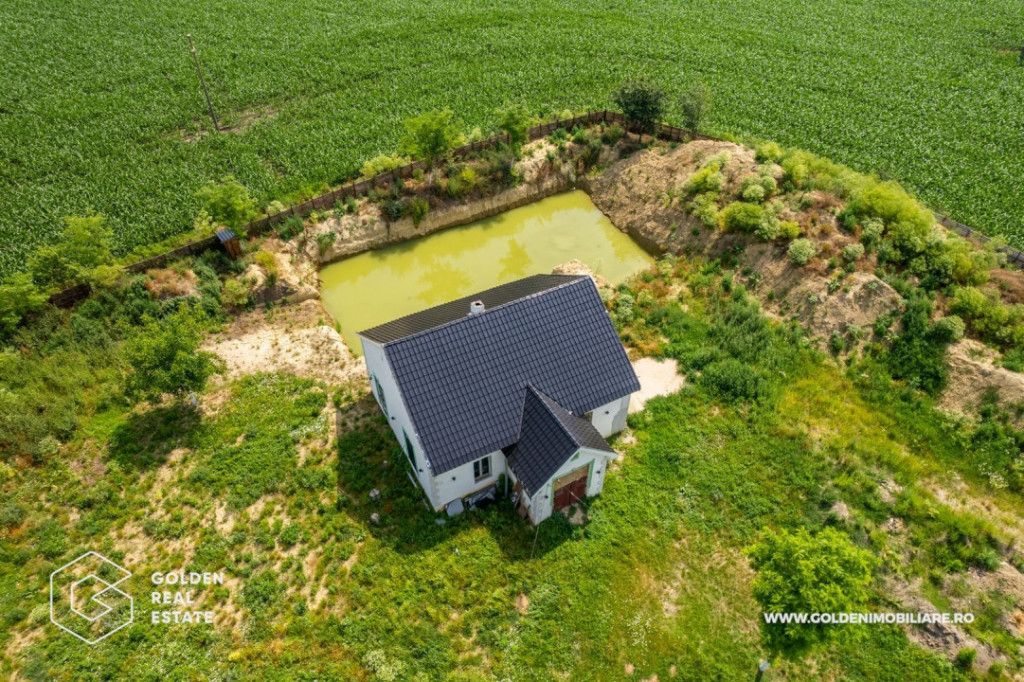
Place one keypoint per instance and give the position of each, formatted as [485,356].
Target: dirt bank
[294,339]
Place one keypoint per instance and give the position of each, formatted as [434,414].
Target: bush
[768,152]
[734,381]
[707,180]
[19,298]
[418,209]
[918,353]
[705,207]
[741,217]
[965,659]
[514,120]
[801,251]
[800,572]
[789,229]
[871,231]
[754,193]
[853,252]
[324,241]
[268,262]
[695,104]
[947,329]
[382,163]
[228,202]
[641,103]
[165,357]
[612,134]
[431,136]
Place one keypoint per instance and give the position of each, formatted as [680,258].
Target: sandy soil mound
[293,339]
[972,374]
[636,194]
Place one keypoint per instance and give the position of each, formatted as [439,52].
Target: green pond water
[378,286]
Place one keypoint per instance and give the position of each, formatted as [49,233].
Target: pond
[377,286]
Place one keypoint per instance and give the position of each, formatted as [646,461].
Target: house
[526,379]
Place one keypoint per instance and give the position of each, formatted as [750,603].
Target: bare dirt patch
[973,374]
[231,123]
[166,283]
[657,377]
[293,339]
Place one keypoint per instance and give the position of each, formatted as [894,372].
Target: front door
[571,488]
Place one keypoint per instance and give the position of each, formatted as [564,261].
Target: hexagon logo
[85,599]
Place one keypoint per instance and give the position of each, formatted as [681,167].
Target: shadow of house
[369,459]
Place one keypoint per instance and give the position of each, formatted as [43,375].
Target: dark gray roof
[464,381]
[225,235]
[549,436]
[459,308]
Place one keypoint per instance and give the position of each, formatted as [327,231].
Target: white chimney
[476,307]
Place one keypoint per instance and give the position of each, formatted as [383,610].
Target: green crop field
[100,106]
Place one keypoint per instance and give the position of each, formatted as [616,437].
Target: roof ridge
[576,279]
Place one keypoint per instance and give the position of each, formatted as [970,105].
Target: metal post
[202,81]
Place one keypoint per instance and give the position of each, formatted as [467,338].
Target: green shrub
[431,136]
[612,134]
[51,539]
[382,163]
[228,202]
[800,572]
[853,252]
[695,103]
[707,180]
[266,260]
[947,329]
[768,152]
[789,229]
[324,241]
[418,209]
[12,515]
[754,193]
[514,120]
[964,659]
[918,354]
[165,357]
[705,207]
[801,251]
[734,381]
[871,231]
[19,298]
[741,217]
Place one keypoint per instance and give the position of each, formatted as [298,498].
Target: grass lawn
[102,111]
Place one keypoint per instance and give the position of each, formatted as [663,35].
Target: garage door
[571,488]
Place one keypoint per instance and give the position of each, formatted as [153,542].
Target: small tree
[695,103]
[19,297]
[802,573]
[642,105]
[228,202]
[83,254]
[431,136]
[165,358]
[514,120]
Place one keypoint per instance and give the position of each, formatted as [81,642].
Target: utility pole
[202,81]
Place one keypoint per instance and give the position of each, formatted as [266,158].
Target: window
[380,396]
[482,468]
[409,449]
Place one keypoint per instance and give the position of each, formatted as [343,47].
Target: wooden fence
[259,226]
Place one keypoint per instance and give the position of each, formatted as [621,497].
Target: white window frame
[478,468]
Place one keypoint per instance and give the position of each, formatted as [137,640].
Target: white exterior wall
[377,366]
[542,503]
[611,418]
[460,482]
